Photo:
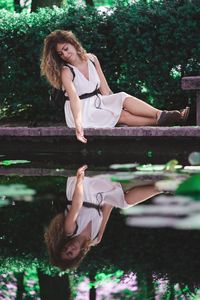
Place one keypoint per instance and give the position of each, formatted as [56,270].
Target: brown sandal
[170,118]
[184,114]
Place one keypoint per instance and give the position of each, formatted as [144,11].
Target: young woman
[89,100]
[70,235]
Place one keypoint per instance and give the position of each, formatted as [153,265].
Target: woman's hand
[81,172]
[80,135]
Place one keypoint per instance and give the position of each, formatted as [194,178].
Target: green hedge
[144,49]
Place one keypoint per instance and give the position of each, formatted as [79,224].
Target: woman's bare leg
[133,120]
[140,193]
[147,114]
[140,108]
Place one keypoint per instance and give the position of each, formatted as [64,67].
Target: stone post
[193,83]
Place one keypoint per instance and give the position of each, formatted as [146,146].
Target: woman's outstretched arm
[77,202]
[104,87]
[75,104]
[106,210]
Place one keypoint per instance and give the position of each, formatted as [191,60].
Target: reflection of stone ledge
[125,131]
[44,172]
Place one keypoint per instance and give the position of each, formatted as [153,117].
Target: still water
[136,227]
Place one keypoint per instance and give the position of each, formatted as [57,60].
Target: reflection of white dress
[97,111]
[97,190]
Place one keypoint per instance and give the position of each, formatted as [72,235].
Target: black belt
[89,204]
[86,95]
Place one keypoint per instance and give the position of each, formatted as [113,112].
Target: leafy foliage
[7,4]
[144,49]
[190,187]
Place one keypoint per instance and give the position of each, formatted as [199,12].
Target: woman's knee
[123,117]
[129,101]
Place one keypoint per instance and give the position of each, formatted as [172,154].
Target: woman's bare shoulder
[92,56]
[66,72]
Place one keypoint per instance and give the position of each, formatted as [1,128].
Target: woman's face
[66,51]
[71,250]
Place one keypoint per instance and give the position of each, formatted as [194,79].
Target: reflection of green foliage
[190,187]
[8,286]
[125,294]
[101,277]
[174,290]
[19,264]
[31,284]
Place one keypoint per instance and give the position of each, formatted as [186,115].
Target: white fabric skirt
[98,111]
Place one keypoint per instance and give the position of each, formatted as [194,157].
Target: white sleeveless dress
[97,190]
[98,111]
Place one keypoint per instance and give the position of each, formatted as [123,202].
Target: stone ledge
[176,131]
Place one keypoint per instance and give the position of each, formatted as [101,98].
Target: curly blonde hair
[56,239]
[51,62]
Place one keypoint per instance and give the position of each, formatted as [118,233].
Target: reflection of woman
[90,202]
[89,100]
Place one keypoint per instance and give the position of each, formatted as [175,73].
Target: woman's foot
[184,114]
[169,118]
[173,117]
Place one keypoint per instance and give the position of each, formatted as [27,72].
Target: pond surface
[150,248]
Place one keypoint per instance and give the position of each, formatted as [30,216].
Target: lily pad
[123,166]
[194,158]
[151,221]
[191,169]
[3,202]
[16,190]
[189,223]
[155,168]
[156,210]
[13,162]
[190,187]
[122,177]
[168,185]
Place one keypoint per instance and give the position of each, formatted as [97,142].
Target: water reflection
[139,261]
[90,200]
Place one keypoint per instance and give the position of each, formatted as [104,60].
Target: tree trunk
[51,288]
[45,3]
[145,284]
[92,295]
[89,2]
[20,285]
[17,6]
